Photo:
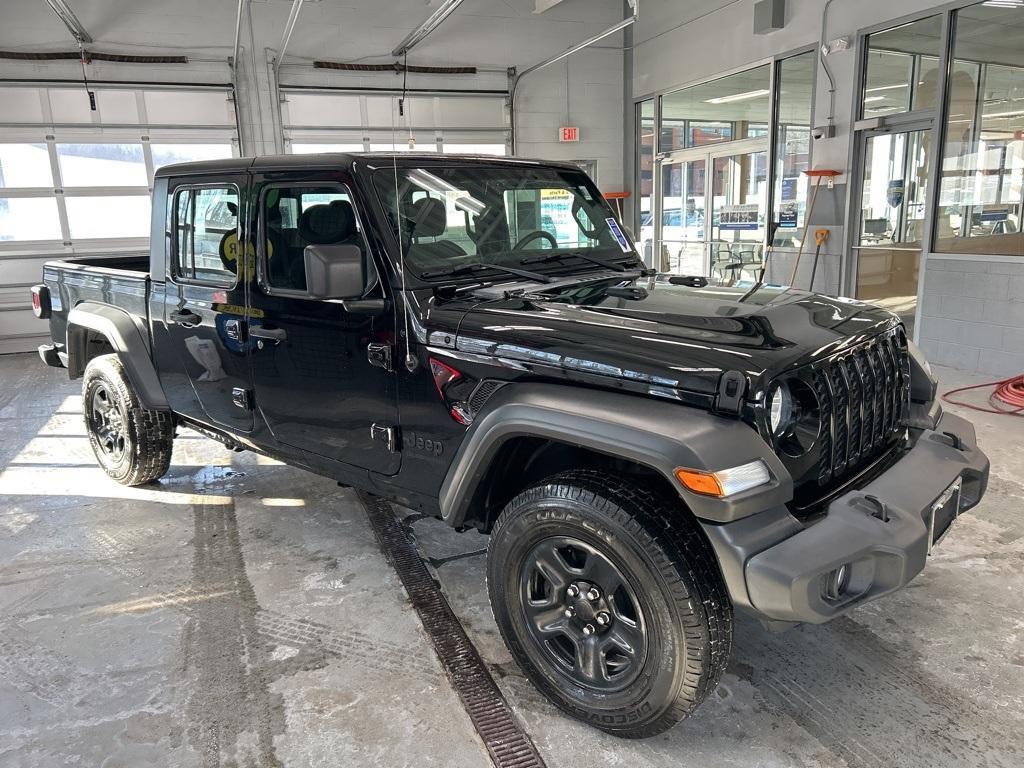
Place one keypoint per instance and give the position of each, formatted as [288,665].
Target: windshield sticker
[617,233]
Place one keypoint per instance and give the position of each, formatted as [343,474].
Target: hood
[666,336]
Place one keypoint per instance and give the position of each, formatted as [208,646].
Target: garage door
[77,182]
[340,121]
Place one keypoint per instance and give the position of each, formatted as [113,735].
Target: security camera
[824,132]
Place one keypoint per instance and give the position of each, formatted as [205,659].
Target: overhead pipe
[289,27]
[517,78]
[432,22]
[66,15]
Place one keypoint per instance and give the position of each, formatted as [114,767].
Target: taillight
[41,301]
[450,383]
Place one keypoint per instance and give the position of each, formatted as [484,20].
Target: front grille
[863,394]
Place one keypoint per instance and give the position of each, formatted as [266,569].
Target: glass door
[739,208]
[893,191]
[713,223]
[683,205]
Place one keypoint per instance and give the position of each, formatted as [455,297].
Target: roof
[343,160]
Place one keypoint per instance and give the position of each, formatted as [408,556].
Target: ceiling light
[873,98]
[1004,3]
[1014,113]
[737,97]
[888,87]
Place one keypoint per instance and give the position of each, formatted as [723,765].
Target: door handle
[186,318]
[276,335]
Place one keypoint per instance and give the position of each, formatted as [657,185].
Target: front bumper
[784,581]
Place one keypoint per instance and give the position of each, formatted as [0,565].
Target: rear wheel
[610,599]
[133,445]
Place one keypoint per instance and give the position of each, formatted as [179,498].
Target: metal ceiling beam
[289,27]
[432,22]
[65,14]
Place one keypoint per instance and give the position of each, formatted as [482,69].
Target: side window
[206,235]
[294,217]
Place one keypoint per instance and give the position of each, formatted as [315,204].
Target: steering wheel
[529,237]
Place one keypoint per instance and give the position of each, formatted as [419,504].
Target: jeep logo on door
[425,444]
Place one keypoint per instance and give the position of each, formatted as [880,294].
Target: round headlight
[794,416]
[780,409]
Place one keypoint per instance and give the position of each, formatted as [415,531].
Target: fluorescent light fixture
[888,87]
[1014,113]
[873,98]
[462,199]
[737,97]
[1004,3]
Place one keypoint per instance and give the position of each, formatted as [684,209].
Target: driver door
[315,384]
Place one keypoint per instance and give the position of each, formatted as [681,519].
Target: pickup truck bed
[119,281]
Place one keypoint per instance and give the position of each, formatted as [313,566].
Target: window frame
[175,275]
[262,273]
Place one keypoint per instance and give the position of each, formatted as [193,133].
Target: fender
[129,342]
[659,434]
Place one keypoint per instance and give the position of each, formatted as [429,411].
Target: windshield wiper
[466,269]
[614,265]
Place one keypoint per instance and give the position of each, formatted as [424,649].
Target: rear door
[314,381]
[200,336]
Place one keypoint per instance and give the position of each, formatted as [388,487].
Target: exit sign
[569,133]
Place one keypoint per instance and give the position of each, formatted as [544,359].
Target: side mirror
[339,272]
[335,271]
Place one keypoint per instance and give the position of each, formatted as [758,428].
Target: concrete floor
[239,613]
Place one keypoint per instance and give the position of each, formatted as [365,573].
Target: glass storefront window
[793,146]
[981,195]
[903,68]
[645,175]
[727,109]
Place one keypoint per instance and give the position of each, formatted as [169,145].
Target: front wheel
[132,444]
[611,600]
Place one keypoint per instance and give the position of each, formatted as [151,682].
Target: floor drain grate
[505,740]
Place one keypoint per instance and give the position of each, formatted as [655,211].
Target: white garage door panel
[315,110]
[24,271]
[21,105]
[71,105]
[21,331]
[189,108]
[465,112]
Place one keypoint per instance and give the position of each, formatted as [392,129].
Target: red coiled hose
[1008,392]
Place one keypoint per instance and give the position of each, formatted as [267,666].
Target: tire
[132,444]
[666,634]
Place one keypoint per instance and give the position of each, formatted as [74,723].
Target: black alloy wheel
[583,612]
[107,423]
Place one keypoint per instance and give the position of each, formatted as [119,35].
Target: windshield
[453,218]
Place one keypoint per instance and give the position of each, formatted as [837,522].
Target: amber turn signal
[704,483]
[725,482]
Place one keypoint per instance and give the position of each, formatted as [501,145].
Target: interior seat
[428,218]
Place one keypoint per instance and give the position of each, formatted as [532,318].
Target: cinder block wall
[972,315]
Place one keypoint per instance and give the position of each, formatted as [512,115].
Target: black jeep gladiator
[478,339]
